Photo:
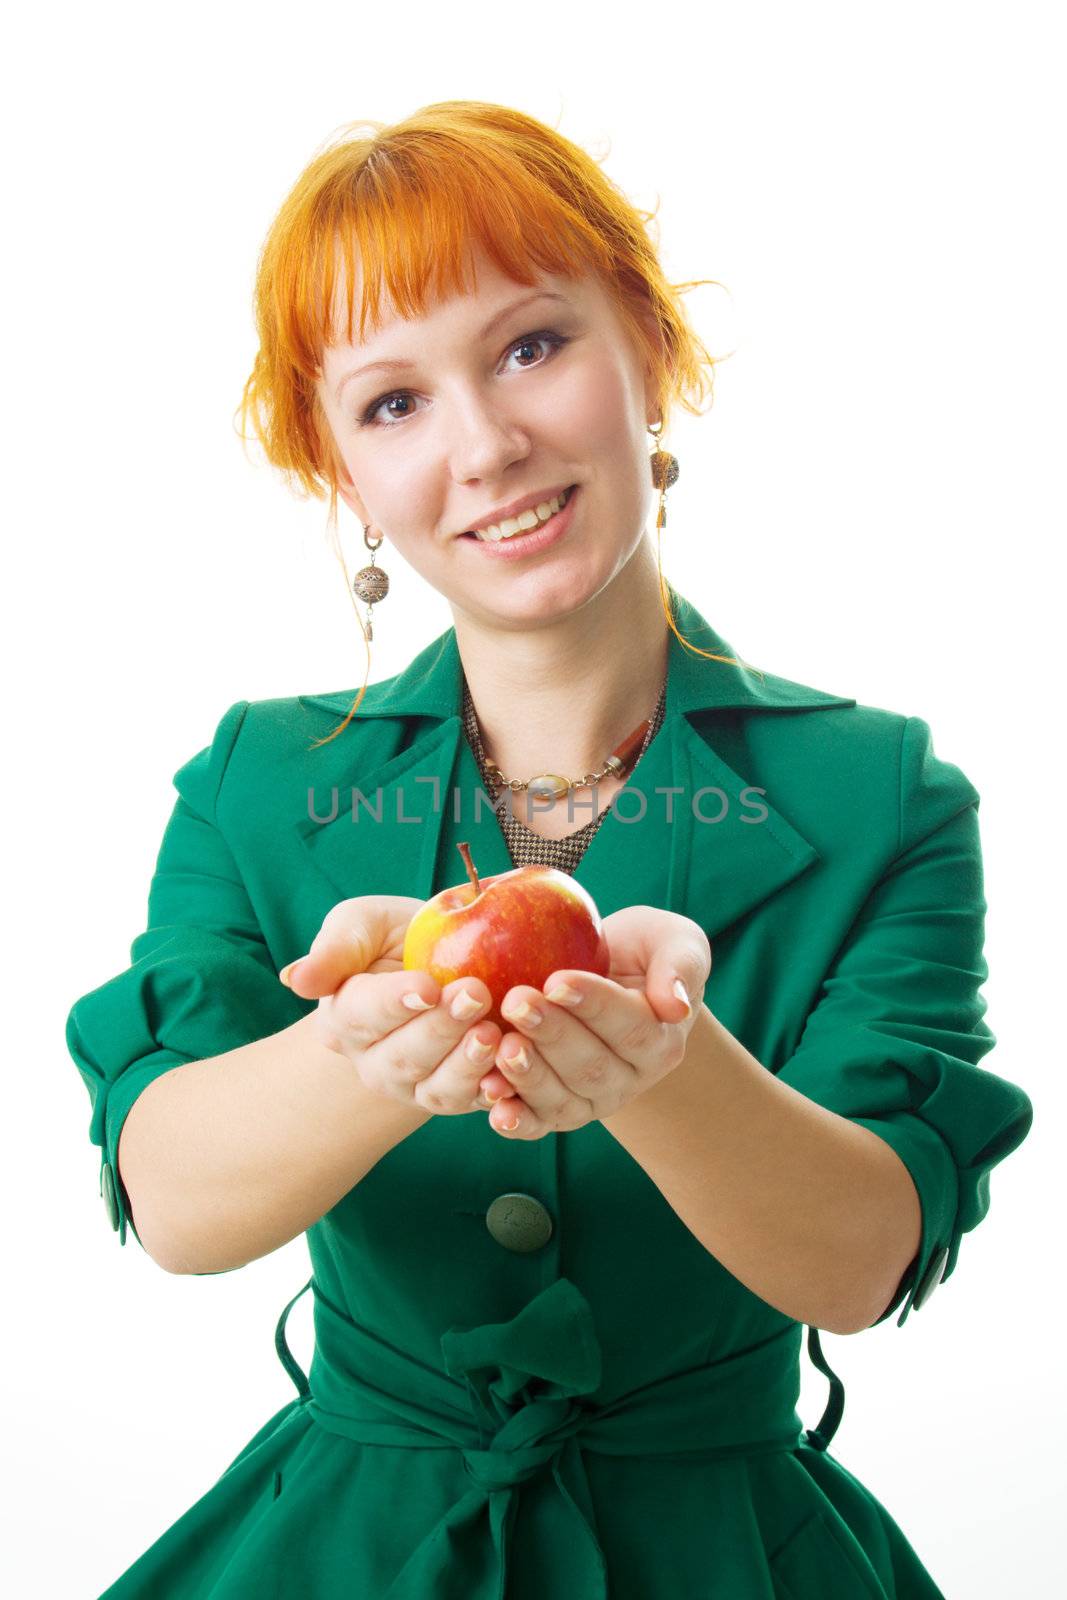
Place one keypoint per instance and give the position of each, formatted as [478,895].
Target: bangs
[407,225]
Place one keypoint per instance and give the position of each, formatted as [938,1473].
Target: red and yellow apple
[516,927]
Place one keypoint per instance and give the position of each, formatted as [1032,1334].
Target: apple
[516,927]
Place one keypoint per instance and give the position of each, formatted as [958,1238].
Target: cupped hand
[600,1041]
[398,1028]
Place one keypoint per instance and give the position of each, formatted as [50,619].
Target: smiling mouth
[519,533]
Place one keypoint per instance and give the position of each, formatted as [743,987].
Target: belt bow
[512,1397]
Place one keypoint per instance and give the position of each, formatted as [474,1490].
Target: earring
[371,583]
[664,473]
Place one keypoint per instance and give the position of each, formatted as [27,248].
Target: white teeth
[524,521]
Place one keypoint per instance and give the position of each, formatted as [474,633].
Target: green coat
[530,1381]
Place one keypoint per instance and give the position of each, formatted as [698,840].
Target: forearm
[226,1159]
[814,1214]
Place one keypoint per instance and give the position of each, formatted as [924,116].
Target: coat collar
[711,871]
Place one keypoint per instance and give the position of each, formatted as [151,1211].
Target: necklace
[552,785]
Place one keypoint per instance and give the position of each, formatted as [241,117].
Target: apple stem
[465,851]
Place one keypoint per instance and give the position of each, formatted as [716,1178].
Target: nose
[485,440]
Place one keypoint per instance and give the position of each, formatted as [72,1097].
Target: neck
[560,696]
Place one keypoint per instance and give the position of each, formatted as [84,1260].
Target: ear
[655,407]
[347,493]
[653,402]
[346,489]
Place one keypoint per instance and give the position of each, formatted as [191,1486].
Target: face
[552,395]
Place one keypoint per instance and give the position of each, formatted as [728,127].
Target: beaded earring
[664,473]
[371,583]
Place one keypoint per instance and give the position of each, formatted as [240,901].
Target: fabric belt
[510,1399]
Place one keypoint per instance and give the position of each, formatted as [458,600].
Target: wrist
[362,1101]
[675,1086]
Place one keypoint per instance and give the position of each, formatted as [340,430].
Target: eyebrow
[494,322]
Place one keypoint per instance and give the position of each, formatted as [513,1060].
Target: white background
[873,505]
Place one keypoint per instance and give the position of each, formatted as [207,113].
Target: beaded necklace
[525,846]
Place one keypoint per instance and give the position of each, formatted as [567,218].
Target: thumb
[674,982]
[350,940]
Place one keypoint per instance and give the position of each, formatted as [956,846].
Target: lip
[528,544]
[529,502]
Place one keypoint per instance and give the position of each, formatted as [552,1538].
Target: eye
[370,418]
[555,340]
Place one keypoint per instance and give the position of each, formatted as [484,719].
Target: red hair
[411,201]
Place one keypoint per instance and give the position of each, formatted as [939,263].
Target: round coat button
[518,1222]
[111,1203]
[931,1277]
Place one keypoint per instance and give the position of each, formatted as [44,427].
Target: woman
[558,1345]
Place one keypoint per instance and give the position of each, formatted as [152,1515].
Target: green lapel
[430,795]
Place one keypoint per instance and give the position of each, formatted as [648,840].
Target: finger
[579,1058]
[606,1023]
[454,1084]
[550,1094]
[430,1057]
[532,1097]
[368,1011]
[352,936]
[642,939]
[676,976]
[496,1085]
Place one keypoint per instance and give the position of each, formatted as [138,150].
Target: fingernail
[415,1002]
[520,1061]
[563,995]
[512,1124]
[525,1013]
[287,971]
[678,988]
[477,1050]
[464,1006]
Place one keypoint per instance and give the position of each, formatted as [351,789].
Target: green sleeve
[895,1039]
[201,980]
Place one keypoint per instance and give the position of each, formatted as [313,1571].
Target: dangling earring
[664,473]
[371,583]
